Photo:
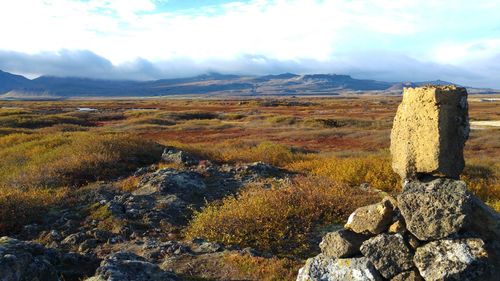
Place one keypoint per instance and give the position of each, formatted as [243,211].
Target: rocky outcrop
[322,268]
[20,260]
[436,229]
[429,132]
[130,267]
[174,155]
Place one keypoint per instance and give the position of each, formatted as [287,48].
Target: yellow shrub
[239,151]
[19,207]
[258,268]
[279,220]
[372,169]
[61,159]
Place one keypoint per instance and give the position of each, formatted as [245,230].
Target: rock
[452,259]
[322,268]
[372,219]
[20,260]
[262,169]
[130,267]
[408,276]
[388,253]
[173,155]
[483,220]
[200,246]
[398,226]
[435,209]
[429,132]
[171,181]
[74,239]
[342,244]
[88,245]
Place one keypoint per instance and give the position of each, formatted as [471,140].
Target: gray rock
[173,155]
[171,181]
[371,219]
[388,253]
[342,243]
[124,266]
[74,239]
[452,259]
[20,260]
[322,268]
[200,246]
[436,208]
[483,220]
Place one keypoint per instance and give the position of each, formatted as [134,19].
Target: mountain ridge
[210,84]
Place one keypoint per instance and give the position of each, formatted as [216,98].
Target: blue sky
[403,40]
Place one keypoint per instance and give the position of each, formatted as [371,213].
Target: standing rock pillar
[429,132]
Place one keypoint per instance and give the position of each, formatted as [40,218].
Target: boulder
[429,132]
[436,208]
[173,155]
[323,268]
[483,220]
[172,181]
[342,243]
[389,254]
[371,219]
[130,267]
[20,260]
[450,259]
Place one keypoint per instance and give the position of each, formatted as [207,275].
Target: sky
[389,40]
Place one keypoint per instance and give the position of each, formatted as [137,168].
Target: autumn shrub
[62,159]
[241,151]
[278,220]
[483,180]
[265,269]
[20,207]
[374,169]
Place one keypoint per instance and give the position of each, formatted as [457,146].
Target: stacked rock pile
[435,229]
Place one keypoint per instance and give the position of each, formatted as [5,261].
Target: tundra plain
[335,149]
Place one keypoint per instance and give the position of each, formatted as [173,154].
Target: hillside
[16,86]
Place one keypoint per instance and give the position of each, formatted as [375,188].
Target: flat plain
[53,151]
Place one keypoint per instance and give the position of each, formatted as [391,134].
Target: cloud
[384,66]
[146,39]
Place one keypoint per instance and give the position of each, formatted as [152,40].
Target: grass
[280,220]
[68,159]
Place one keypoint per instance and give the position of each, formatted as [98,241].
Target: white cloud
[258,36]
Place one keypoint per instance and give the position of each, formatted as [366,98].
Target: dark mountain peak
[9,81]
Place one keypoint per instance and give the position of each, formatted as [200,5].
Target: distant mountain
[17,86]
[9,82]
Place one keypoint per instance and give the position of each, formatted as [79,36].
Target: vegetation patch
[278,220]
